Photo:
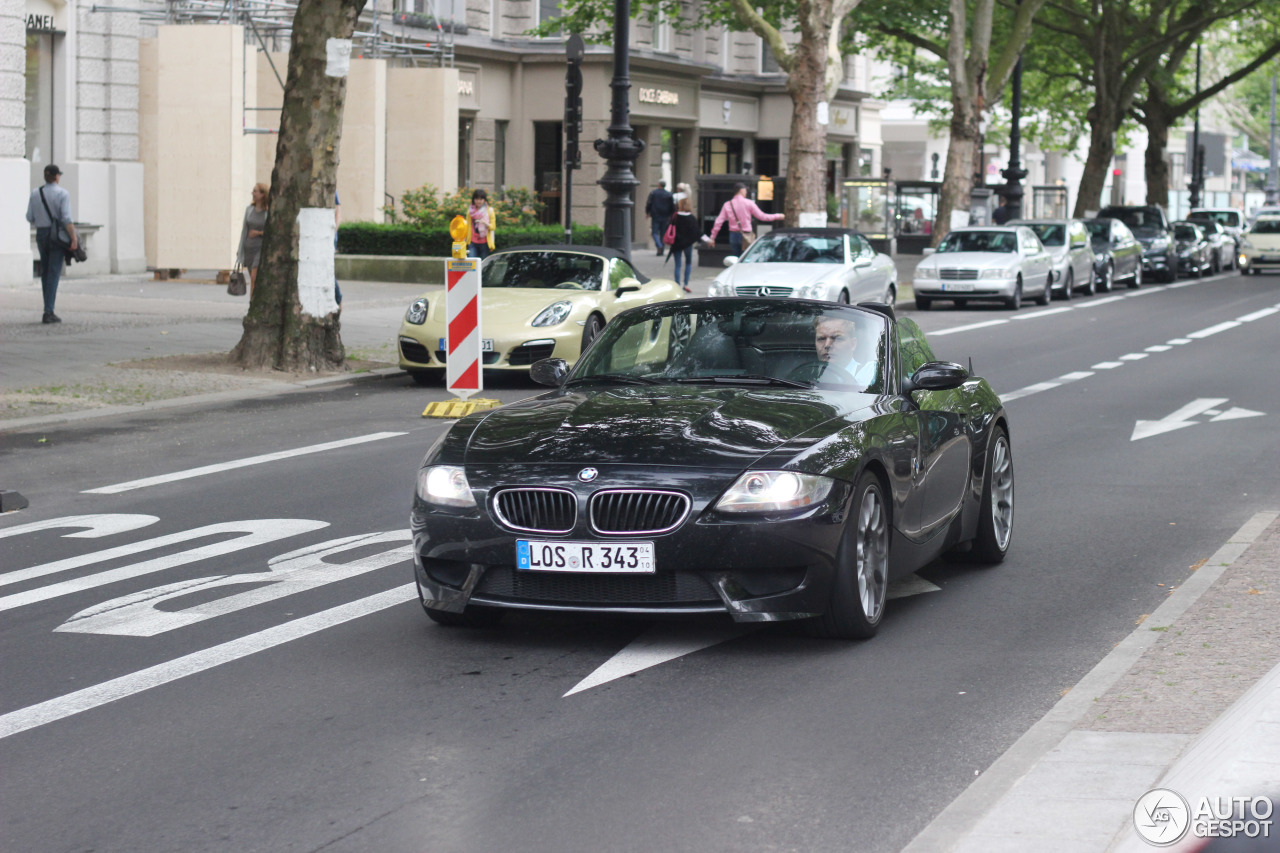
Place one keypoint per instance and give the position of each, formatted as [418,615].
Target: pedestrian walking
[49,210]
[480,221]
[1000,215]
[738,213]
[659,207]
[682,191]
[688,234]
[255,223]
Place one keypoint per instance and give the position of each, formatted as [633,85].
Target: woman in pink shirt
[738,212]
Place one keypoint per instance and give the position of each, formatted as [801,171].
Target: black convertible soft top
[598,251]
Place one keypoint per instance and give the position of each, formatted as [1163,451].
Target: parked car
[832,264]
[1067,241]
[1268,210]
[736,469]
[1223,248]
[998,262]
[1260,245]
[1150,225]
[1117,254]
[1230,218]
[535,302]
[1194,253]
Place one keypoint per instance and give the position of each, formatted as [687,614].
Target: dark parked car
[1194,252]
[762,458]
[1117,254]
[1150,225]
[1223,248]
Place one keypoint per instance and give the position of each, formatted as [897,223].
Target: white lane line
[98,695]
[1158,348]
[1108,365]
[1181,284]
[1146,291]
[1177,342]
[237,463]
[968,328]
[1134,356]
[1258,315]
[1213,330]
[1029,390]
[1045,313]
[1072,377]
[1094,303]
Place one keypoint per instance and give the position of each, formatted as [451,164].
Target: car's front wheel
[589,331]
[1013,303]
[1108,278]
[995,525]
[1045,297]
[861,584]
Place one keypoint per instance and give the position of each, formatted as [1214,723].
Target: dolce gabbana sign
[650,95]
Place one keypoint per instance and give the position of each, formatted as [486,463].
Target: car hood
[790,275]
[970,260]
[683,425]
[517,305]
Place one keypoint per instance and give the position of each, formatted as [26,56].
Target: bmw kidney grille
[637,511]
[537,510]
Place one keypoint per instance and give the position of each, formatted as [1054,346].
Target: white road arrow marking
[1235,413]
[1177,420]
[666,642]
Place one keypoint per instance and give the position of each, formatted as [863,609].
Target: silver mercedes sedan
[1002,263]
[833,264]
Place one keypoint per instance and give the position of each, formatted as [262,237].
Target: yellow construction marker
[458,408]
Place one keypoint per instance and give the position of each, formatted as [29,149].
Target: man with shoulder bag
[49,210]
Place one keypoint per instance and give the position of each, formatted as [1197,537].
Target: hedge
[372,238]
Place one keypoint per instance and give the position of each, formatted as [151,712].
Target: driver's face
[834,340]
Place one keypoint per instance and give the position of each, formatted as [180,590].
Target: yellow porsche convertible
[536,302]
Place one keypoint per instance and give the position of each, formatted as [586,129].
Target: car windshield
[979,241]
[1051,234]
[796,249]
[745,342]
[1266,226]
[559,270]
[1140,219]
[1185,232]
[1098,229]
[1229,218]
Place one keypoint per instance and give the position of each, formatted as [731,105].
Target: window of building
[465,128]
[720,155]
[499,154]
[548,10]
[662,36]
[768,160]
[865,163]
[39,97]
[547,147]
[768,62]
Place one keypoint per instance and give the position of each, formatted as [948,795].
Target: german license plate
[486,345]
[962,287]
[534,555]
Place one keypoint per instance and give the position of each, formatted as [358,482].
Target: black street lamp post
[621,149]
[1013,175]
[1197,157]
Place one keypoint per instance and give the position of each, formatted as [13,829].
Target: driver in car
[835,341]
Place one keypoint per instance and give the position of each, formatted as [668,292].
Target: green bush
[372,238]
[517,207]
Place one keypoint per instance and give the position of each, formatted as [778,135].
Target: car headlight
[997,272]
[717,288]
[773,491]
[812,291]
[553,314]
[445,485]
[417,313]
[926,272]
[1159,244]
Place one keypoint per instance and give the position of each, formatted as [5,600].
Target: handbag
[55,236]
[669,238]
[237,286]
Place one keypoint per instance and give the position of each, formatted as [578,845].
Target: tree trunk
[1102,148]
[1156,167]
[807,85]
[957,179]
[278,332]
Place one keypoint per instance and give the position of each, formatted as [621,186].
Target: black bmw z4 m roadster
[762,458]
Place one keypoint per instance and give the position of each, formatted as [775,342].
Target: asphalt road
[162,700]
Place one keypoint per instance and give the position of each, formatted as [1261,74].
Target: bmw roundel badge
[586,475]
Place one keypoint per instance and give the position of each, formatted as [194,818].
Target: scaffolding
[410,38]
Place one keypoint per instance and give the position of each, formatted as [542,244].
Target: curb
[270,390]
[961,816]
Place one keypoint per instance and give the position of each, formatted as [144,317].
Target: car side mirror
[929,250]
[730,260]
[861,263]
[549,371]
[627,285]
[936,376]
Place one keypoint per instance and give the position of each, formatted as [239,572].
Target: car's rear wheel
[862,568]
[995,525]
[589,331]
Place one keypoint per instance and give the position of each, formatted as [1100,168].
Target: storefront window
[39,148]
[547,147]
[720,155]
[768,161]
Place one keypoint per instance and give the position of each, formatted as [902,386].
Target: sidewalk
[1189,702]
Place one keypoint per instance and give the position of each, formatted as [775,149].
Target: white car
[831,264]
[1067,240]
[1231,219]
[996,262]
[1260,245]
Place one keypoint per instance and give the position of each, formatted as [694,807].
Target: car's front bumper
[1260,259]
[420,349]
[1158,261]
[757,569]
[982,288]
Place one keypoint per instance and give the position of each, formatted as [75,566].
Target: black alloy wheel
[861,584]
